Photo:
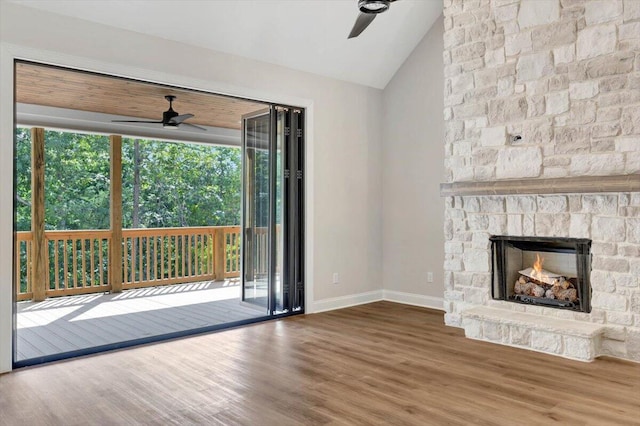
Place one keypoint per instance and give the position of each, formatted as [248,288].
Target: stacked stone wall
[544,89]
[563,75]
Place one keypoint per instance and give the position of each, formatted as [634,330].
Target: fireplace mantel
[565,185]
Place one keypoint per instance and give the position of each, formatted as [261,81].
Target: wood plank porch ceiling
[63,88]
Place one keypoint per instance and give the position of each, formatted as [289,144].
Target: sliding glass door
[272,210]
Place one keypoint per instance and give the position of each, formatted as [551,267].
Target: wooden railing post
[115,209]
[40,263]
[219,258]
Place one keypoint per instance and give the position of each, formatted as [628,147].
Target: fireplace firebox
[552,272]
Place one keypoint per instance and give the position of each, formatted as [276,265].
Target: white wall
[344,132]
[413,154]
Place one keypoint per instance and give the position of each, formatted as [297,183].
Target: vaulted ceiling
[307,35]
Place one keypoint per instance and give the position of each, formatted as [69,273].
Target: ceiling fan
[368,11]
[170,118]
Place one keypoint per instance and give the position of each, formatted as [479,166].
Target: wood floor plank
[381,363]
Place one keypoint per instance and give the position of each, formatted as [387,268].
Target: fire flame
[537,267]
[538,264]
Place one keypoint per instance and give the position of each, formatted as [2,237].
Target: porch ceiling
[55,87]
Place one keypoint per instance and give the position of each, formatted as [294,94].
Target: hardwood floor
[381,363]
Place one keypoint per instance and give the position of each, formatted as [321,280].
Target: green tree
[174,184]
[76,181]
[22,166]
[180,184]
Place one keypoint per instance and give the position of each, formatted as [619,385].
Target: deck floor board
[75,323]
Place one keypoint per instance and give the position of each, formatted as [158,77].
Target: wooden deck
[72,323]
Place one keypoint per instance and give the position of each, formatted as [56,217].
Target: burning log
[569,294]
[528,288]
[562,282]
[536,289]
[541,275]
[538,282]
[538,274]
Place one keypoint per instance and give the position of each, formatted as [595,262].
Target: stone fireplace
[542,141]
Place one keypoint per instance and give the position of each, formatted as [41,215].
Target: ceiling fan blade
[362,22]
[194,126]
[134,121]
[180,118]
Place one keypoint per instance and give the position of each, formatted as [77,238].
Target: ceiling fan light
[170,126]
[373,6]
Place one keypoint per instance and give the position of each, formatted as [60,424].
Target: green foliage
[22,167]
[76,180]
[180,184]
[76,183]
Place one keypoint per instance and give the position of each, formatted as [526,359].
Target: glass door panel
[256,208]
[279,202]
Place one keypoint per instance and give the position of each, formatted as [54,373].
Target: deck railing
[79,260]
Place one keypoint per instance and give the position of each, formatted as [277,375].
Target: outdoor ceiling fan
[368,11]
[170,118]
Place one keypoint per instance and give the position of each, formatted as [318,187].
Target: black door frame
[292,221]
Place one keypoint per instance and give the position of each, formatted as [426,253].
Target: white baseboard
[345,301]
[414,299]
[376,296]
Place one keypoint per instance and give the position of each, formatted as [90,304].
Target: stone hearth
[577,340]
[542,101]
